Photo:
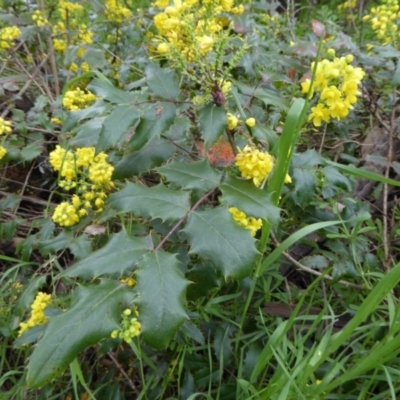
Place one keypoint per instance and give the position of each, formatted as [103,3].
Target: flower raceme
[42,300]
[5,129]
[254,164]
[190,27]
[384,21]
[130,326]
[88,174]
[250,223]
[78,99]
[336,86]
[8,35]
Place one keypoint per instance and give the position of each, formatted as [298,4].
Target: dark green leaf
[212,120]
[309,158]
[107,91]
[156,120]
[119,255]
[304,185]
[88,133]
[195,175]
[81,246]
[332,175]
[58,243]
[31,151]
[253,201]
[155,202]
[152,155]
[162,81]
[161,287]
[215,236]
[94,315]
[116,125]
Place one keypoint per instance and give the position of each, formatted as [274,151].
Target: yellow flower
[5,127]
[318,114]
[254,164]
[232,121]
[250,122]
[288,179]
[3,152]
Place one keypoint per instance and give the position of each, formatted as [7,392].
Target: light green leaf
[31,151]
[215,236]
[94,315]
[253,201]
[116,125]
[212,120]
[154,202]
[160,288]
[58,243]
[195,175]
[151,155]
[94,57]
[162,81]
[119,255]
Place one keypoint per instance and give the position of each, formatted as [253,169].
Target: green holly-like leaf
[119,255]
[215,236]
[116,125]
[195,175]
[253,201]
[94,315]
[156,120]
[153,154]
[160,288]
[155,202]
[212,120]
[162,81]
[105,90]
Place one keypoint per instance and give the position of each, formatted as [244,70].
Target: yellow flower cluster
[384,21]
[39,19]
[347,5]
[191,27]
[336,84]
[77,99]
[8,36]
[70,28]
[254,164]
[116,12]
[3,152]
[42,300]
[89,174]
[5,129]
[250,223]
[130,326]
